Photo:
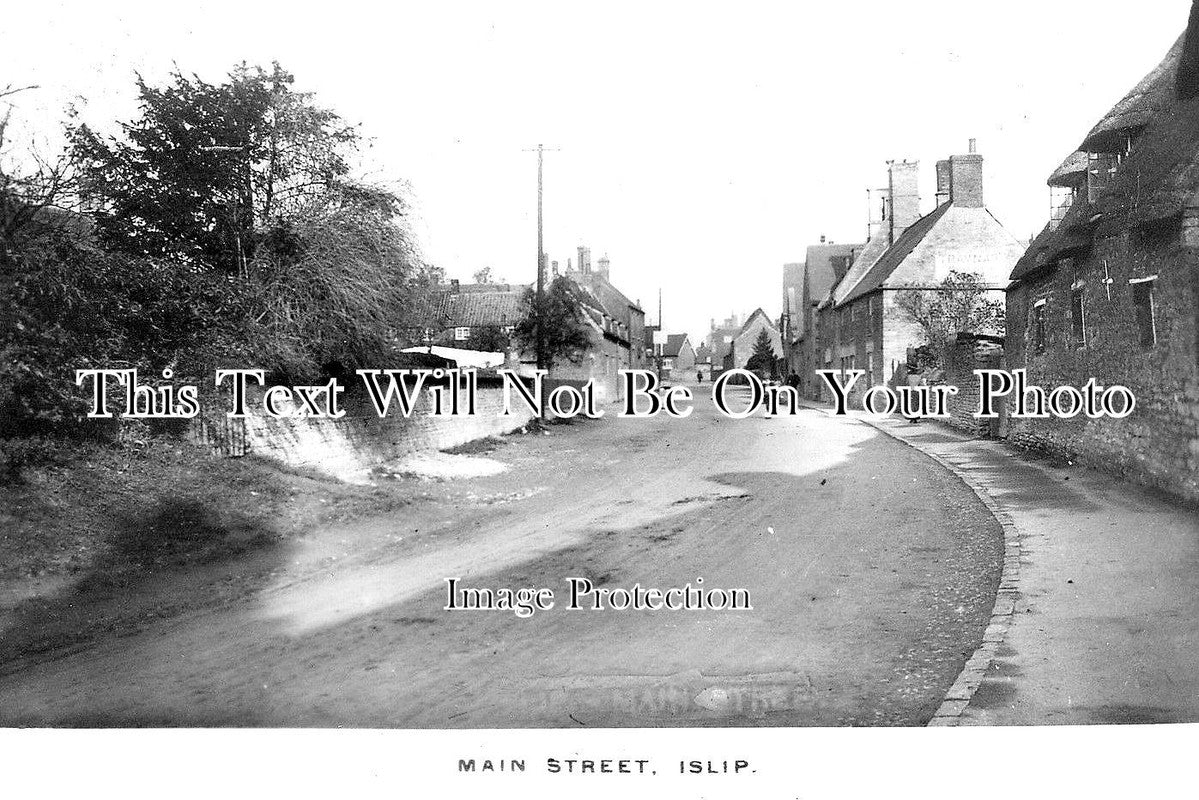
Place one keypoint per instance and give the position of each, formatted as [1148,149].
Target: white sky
[702,145]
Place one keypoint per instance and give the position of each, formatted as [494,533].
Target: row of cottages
[860,322]
[1110,288]
[616,324]
[482,316]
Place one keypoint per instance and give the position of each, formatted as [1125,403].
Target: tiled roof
[895,254]
[826,266]
[749,321]
[481,305]
[674,344]
[866,258]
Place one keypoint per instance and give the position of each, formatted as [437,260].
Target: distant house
[862,324]
[720,341]
[741,345]
[678,358]
[476,316]
[1110,289]
[805,285]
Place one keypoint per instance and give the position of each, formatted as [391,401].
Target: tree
[961,303]
[28,190]
[483,275]
[207,170]
[248,184]
[487,339]
[561,314]
[763,357]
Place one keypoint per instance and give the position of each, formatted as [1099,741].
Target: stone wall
[1159,444]
[350,447]
[968,354]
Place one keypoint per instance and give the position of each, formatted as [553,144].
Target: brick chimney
[603,265]
[966,179]
[904,192]
[944,182]
[585,260]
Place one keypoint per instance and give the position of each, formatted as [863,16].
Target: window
[1078,328]
[1142,302]
[1038,326]
[461,334]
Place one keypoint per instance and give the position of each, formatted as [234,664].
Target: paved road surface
[872,573]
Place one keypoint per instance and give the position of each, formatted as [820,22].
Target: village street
[872,572]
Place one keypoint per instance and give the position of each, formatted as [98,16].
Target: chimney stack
[585,260]
[904,193]
[966,179]
[603,265]
[554,268]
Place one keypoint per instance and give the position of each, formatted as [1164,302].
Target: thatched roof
[1072,235]
[1072,171]
[1158,177]
[1154,93]
[1160,174]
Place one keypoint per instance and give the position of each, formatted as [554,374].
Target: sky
[699,145]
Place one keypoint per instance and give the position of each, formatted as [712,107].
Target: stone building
[1110,289]
[741,343]
[719,342]
[862,324]
[805,285]
[618,330]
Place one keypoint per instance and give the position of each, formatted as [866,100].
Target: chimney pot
[973,146]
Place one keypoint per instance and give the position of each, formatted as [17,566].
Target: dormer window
[1102,167]
[1061,198]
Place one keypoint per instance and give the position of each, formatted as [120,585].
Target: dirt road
[871,570]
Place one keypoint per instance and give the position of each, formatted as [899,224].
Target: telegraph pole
[540,301]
